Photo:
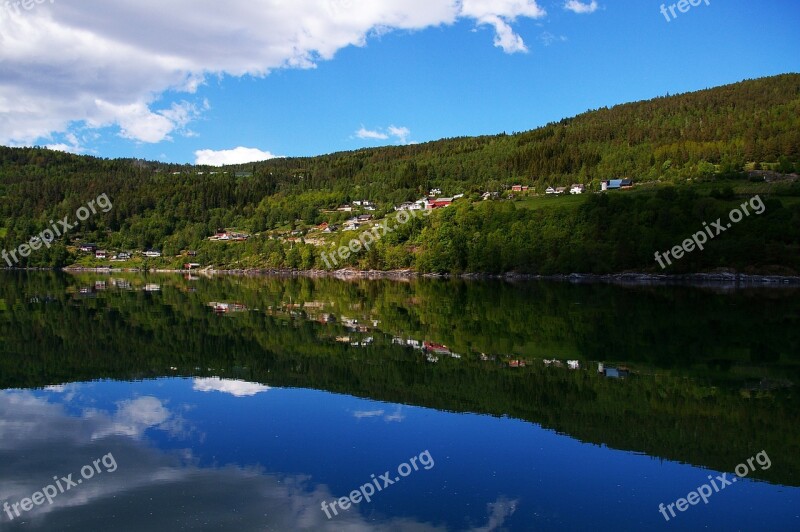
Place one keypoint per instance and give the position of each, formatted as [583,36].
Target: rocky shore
[725,278]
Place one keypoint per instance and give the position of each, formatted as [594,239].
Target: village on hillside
[364,213]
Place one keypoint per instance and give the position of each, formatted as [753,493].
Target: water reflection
[164,480]
[280,394]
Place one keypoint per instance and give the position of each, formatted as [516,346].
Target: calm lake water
[188,403]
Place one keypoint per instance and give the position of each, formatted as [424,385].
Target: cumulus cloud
[500,14]
[240,155]
[232,387]
[576,6]
[133,418]
[98,64]
[71,144]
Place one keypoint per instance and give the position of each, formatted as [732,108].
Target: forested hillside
[701,143]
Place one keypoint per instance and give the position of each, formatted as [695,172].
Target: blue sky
[484,67]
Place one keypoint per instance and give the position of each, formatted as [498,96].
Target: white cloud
[400,134]
[240,155]
[368,134]
[133,418]
[97,64]
[500,14]
[235,388]
[396,416]
[576,6]
[362,414]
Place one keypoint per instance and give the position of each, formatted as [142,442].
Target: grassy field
[535,203]
[740,188]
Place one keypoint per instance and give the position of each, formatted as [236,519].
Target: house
[438,349]
[550,190]
[193,253]
[561,190]
[191,266]
[345,208]
[351,225]
[365,218]
[616,184]
[225,308]
[124,256]
[229,236]
[439,203]
[409,206]
[577,189]
[520,188]
[330,229]
[152,254]
[614,373]
[88,248]
[435,192]
[490,195]
[574,364]
[100,254]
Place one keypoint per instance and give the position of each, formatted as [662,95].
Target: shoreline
[724,278]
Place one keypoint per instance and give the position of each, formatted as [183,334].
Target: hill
[710,139]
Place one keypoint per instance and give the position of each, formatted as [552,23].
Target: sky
[211,82]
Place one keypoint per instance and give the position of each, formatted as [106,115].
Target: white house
[577,189]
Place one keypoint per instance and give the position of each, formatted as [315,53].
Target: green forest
[693,157]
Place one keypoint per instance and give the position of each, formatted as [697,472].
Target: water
[244,404]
